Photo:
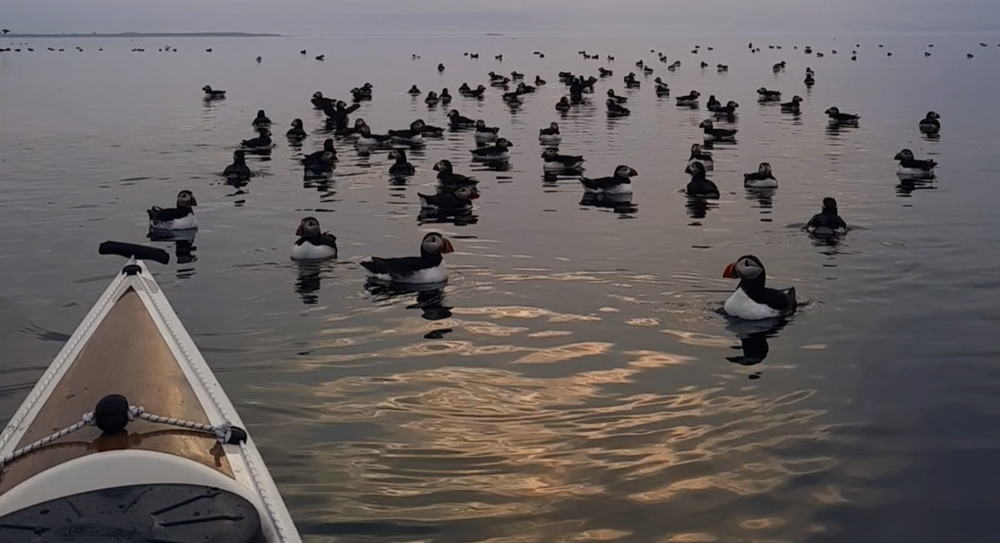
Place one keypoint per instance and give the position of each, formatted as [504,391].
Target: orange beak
[730,272]
[436,168]
[633,173]
[194,202]
[448,247]
[475,194]
[299,231]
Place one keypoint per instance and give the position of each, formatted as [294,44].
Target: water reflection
[462,218]
[430,299]
[184,248]
[906,186]
[697,208]
[309,281]
[753,336]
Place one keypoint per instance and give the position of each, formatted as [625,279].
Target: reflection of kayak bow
[179,468]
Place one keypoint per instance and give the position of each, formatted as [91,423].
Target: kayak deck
[132,344]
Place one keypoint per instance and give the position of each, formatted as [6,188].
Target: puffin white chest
[741,306]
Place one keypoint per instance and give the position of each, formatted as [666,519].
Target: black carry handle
[140,252]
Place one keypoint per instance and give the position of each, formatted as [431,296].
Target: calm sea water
[576,382]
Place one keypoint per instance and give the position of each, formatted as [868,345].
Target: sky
[324,17]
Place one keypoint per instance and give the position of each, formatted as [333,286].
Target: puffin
[689,100]
[238,170]
[516,76]
[440,67]
[320,102]
[445,97]
[930,125]
[764,95]
[713,134]
[477,92]
[550,135]
[367,139]
[912,168]
[261,142]
[539,81]
[320,167]
[501,83]
[726,111]
[261,120]
[563,104]
[499,152]
[842,119]
[753,300]
[605,72]
[523,88]
[458,121]
[412,136]
[318,155]
[400,168]
[615,110]
[713,103]
[429,267]
[452,201]
[313,244]
[699,186]
[631,82]
[827,222]
[554,162]
[809,80]
[485,134]
[296,133]
[175,218]
[793,106]
[760,179]
[698,154]
[432,99]
[616,98]
[212,94]
[619,183]
[512,99]
[426,129]
[414,91]
[662,89]
[447,178]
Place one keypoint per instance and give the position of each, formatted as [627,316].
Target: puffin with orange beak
[175,218]
[753,300]
[427,268]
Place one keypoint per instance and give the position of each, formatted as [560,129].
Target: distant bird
[827,223]
[712,134]
[238,171]
[432,99]
[619,183]
[700,186]
[313,243]
[209,50]
[260,143]
[550,135]
[485,134]
[321,58]
[753,300]
[400,168]
[261,120]
[615,110]
[698,154]
[554,162]
[414,91]
[765,95]
[563,104]
[447,177]
[539,81]
[259,59]
[793,106]
[318,155]
[842,119]
[662,89]
[761,179]
[320,102]
[616,98]
[5,31]
[930,125]
[427,268]
[499,152]
[912,168]
[212,94]
[458,200]
[440,67]
[296,133]
[458,121]
[321,167]
[175,218]
[688,100]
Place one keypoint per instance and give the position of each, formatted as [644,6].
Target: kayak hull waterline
[132,344]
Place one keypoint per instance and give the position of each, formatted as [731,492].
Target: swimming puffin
[662,89]
[516,76]
[550,135]
[930,124]
[522,88]
[400,168]
[485,134]
[411,136]
[713,103]
[619,183]
[616,98]
[318,155]
[414,91]
[367,139]
[700,155]
[320,102]
[765,95]
[426,129]
[432,99]
[615,110]
[827,222]
[631,82]
[452,201]
[760,179]
[261,120]
[689,100]
[212,94]
[501,83]
[429,267]
[238,170]
[175,218]
[842,119]
[440,67]
[337,114]
[296,133]
[713,134]
[912,168]
[445,97]
[447,178]
[458,121]
[498,152]
[722,68]
[554,162]
[727,111]
[605,73]
[320,167]
[477,92]
[313,244]
[810,80]
[700,186]
[753,300]
[261,142]
[512,99]
[539,81]
[259,59]
[563,104]
[793,106]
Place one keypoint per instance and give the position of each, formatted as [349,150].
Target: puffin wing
[780,300]
[601,183]
[394,267]
[486,151]
[166,215]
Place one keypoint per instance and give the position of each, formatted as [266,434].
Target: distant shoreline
[149,35]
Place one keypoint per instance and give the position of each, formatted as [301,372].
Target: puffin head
[707,123]
[833,111]
[297,123]
[829,205]
[625,171]
[436,244]
[443,166]
[764,169]
[745,267]
[185,198]
[905,154]
[695,169]
[504,143]
[328,145]
[933,115]
[260,113]
[207,88]
[550,152]
[308,227]
[239,155]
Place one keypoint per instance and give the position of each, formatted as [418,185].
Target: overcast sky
[319,17]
